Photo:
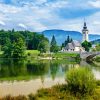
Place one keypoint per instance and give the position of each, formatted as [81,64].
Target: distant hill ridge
[61,35]
[95,41]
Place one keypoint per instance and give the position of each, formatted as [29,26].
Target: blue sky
[39,15]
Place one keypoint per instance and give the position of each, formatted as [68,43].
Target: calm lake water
[25,77]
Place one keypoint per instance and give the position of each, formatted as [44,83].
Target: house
[73,46]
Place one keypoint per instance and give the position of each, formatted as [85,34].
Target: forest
[14,43]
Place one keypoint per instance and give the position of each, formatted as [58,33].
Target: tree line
[14,43]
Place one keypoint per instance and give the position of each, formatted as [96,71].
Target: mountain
[61,35]
[95,41]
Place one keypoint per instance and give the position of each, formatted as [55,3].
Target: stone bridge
[88,55]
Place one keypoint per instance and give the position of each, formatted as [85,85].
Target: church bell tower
[85,32]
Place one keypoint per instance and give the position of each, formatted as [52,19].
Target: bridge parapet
[85,55]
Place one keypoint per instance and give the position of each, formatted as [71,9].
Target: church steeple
[85,27]
[85,32]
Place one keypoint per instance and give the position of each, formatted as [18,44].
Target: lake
[28,76]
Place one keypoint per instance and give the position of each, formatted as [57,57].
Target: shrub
[98,82]
[81,81]
[32,97]
[97,59]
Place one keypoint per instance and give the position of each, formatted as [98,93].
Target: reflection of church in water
[76,45]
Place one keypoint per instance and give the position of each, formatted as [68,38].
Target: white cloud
[95,4]
[57,4]
[22,26]
[94,23]
[9,9]
[2,23]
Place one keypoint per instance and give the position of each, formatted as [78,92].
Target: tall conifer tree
[53,45]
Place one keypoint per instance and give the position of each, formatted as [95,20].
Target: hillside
[61,35]
[96,41]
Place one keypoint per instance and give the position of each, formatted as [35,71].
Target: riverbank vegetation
[97,47]
[58,92]
[81,85]
[87,45]
[96,59]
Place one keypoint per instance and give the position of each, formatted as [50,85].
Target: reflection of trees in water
[37,69]
[66,67]
[54,66]
[11,68]
[42,69]
[58,68]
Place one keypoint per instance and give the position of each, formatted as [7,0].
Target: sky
[40,15]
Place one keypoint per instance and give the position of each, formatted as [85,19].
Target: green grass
[61,92]
[60,55]
[65,55]
[18,78]
[36,52]
[32,53]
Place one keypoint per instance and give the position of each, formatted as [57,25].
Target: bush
[97,59]
[81,81]
[32,97]
[98,82]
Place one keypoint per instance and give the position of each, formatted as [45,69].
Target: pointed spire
[85,26]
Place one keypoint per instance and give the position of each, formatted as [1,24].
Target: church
[75,46]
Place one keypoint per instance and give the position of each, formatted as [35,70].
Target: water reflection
[10,69]
[25,77]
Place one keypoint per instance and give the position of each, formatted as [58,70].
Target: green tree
[7,48]
[68,40]
[18,49]
[32,39]
[53,45]
[15,47]
[97,48]
[3,37]
[53,41]
[87,45]
[43,46]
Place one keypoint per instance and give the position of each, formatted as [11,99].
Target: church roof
[76,43]
[73,44]
[69,46]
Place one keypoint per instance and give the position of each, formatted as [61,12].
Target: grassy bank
[58,92]
[37,55]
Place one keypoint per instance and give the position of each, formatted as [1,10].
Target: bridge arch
[89,55]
